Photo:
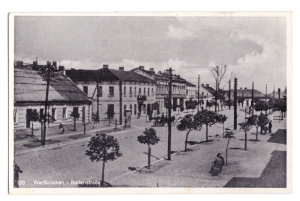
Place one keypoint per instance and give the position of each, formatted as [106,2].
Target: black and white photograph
[150,100]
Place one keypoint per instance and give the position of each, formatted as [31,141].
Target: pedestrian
[217,166]
[17,170]
[270,126]
[62,129]
[222,159]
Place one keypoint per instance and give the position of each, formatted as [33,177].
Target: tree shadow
[151,155]
[236,148]
[204,142]
[254,140]
[278,137]
[273,176]
[132,168]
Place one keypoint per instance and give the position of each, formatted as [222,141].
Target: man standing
[270,126]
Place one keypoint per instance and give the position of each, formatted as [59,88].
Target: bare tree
[218,73]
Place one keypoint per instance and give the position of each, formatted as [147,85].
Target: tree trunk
[227,149]
[84,128]
[206,132]
[149,156]
[245,141]
[41,131]
[223,128]
[186,139]
[256,133]
[74,123]
[103,166]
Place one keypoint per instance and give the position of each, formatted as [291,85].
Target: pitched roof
[212,91]
[30,86]
[282,93]
[131,76]
[106,75]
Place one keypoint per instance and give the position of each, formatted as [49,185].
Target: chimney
[61,68]
[141,67]
[241,88]
[105,66]
[121,68]
[202,85]
[152,69]
[207,85]
[55,64]
[245,87]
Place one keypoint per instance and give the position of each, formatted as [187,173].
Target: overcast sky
[253,48]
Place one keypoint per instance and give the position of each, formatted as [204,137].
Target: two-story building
[115,90]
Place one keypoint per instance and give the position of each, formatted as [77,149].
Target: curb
[50,146]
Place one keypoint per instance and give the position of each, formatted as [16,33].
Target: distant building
[116,89]
[30,92]
[244,96]
[180,90]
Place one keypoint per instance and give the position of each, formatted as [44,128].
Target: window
[187,91]
[53,113]
[140,91]
[135,91]
[124,91]
[85,89]
[15,116]
[202,93]
[64,115]
[152,92]
[144,91]
[130,91]
[148,91]
[99,91]
[134,109]
[111,91]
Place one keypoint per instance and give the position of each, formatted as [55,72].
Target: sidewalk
[55,139]
[190,169]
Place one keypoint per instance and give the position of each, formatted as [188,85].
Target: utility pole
[120,94]
[46,101]
[169,114]
[98,117]
[252,98]
[198,92]
[278,93]
[229,98]
[235,103]
[266,92]
[216,96]
[242,98]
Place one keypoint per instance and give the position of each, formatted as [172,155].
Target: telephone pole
[120,94]
[235,103]
[252,98]
[48,69]
[198,92]
[216,96]
[97,117]
[229,98]
[169,114]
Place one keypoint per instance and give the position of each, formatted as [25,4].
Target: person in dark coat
[270,126]
[62,129]
[217,166]
[17,170]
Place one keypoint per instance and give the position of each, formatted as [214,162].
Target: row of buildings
[94,93]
